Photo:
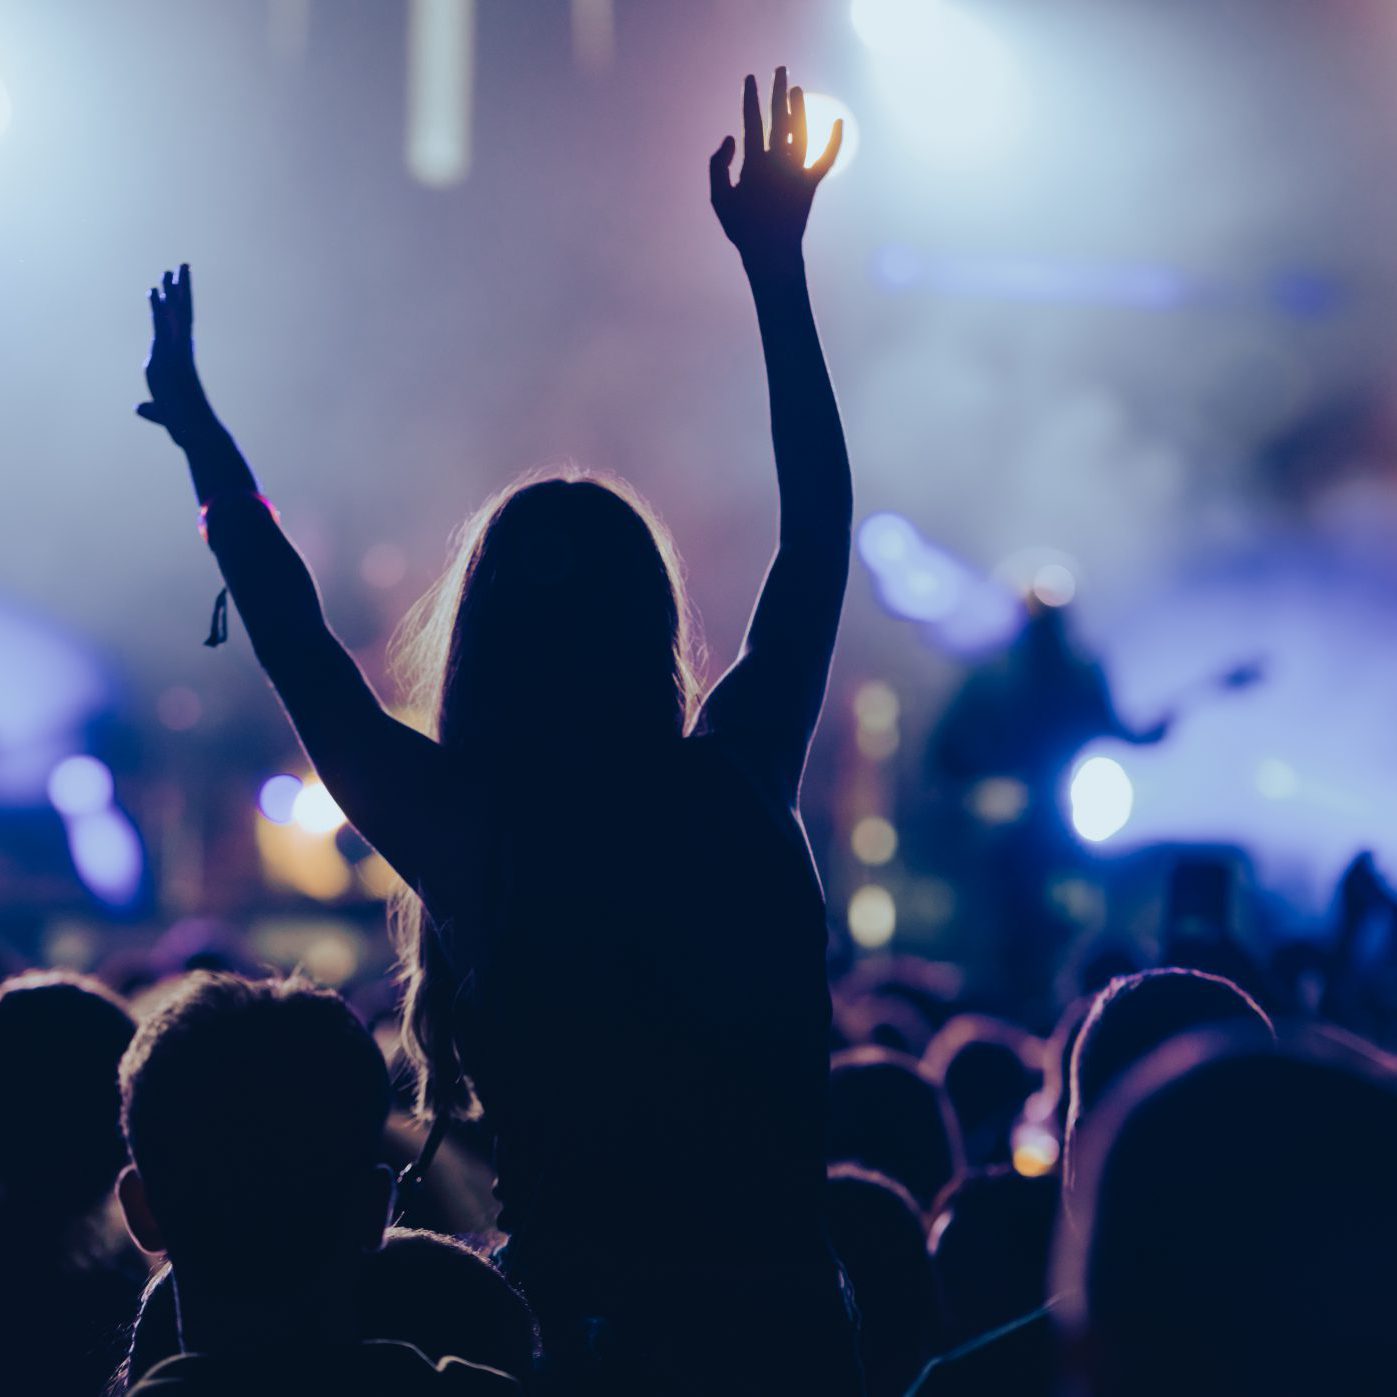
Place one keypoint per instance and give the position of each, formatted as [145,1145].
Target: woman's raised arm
[769,702]
[388,779]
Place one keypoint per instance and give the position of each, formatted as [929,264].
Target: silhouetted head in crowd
[68,1285]
[1237,1225]
[61,1040]
[254,1113]
[1133,1016]
[988,1068]
[876,1229]
[425,1289]
[888,1114]
[991,1236]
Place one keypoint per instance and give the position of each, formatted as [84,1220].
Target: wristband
[218,626]
[234,494]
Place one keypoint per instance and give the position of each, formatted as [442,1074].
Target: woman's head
[562,612]
[561,621]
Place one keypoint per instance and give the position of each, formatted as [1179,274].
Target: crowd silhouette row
[620,1137]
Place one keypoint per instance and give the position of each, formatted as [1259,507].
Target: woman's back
[649,1034]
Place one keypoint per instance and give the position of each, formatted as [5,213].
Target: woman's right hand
[177,400]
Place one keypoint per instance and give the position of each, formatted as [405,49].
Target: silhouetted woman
[616,934]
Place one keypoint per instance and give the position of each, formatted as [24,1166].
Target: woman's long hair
[561,617]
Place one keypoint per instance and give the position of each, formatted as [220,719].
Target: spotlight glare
[821,112]
[1102,799]
[947,76]
[314,809]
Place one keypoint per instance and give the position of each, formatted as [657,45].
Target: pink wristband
[235,494]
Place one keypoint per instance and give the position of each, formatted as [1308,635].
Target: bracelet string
[218,624]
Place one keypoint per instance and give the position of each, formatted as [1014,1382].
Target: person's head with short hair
[61,1149]
[991,1236]
[254,1113]
[888,1114]
[1236,1224]
[876,1230]
[989,1068]
[1136,1014]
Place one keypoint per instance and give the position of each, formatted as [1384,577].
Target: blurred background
[1106,292]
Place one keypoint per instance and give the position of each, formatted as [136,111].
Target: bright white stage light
[80,786]
[314,809]
[949,79]
[821,112]
[1101,797]
[441,70]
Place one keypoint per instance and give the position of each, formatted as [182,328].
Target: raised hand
[765,212]
[177,400]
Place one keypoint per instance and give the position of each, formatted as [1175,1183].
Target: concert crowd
[580,1147]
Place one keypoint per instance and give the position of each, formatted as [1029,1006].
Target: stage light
[916,580]
[332,957]
[893,26]
[872,916]
[107,855]
[1054,585]
[314,809]
[876,706]
[887,539]
[80,786]
[441,63]
[998,800]
[1276,780]
[1036,1149]
[594,34]
[277,799]
[307,863]
[874,841]
[948,79]
[1101,797]
[821,112]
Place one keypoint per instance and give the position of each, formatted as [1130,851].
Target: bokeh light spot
[874,840]
[872,916]
[80,786]
[277,799]
[1102,799]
